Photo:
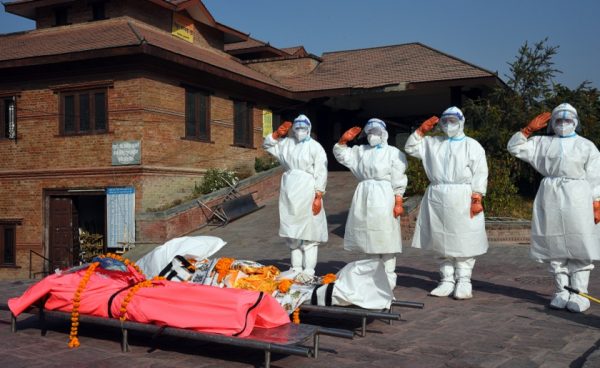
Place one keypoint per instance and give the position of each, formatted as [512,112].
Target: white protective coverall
[456,168]
[563,232]
[371,226]
[362,283]
[305,164]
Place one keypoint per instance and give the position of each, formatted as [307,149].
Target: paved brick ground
[507,324]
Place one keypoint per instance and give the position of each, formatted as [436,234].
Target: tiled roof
[292,50]
[114,33]
[381,66]
[250,43]
[63,40]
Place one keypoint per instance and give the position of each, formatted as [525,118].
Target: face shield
[564,121]
[301,128]
[376,132]
[452,122]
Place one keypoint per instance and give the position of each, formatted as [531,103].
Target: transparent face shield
[301,131]
[450,124]
[564,123]
[375,136]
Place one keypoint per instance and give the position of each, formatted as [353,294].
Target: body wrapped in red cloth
[232,312]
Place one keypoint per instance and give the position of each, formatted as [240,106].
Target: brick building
[130,101]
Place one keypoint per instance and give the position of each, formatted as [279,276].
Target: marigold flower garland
[329,278]
[222,267]
[296,316]
[132,291]
[73,340]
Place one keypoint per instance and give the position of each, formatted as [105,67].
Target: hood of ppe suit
[375,127]
[301,128]
[561,114]
[453,130]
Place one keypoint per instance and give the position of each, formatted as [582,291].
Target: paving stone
[506,325]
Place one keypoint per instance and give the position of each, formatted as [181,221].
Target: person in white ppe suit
[451,220]
[566,210]
[302,217]
[373,224]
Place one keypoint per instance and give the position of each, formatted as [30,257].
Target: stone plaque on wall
[126,153]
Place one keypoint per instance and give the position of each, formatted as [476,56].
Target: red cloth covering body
[202,308]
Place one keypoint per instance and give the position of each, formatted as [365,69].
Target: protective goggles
[374,124]
[564,115]
[300,125]
[452,117]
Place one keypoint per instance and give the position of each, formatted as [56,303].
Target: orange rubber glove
[349,135]
[596,212]
[476,206]
[427,125]
[282,131]
[398,209]
[317,203]
[537,123]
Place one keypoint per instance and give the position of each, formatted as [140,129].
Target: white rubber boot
[561,279]
[446,285]
[389,262]
[310,253]
[580,278]
[463,271]
[295,260]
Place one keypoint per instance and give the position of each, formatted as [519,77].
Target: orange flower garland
[222,267]
[296,316]
[284,285]
[73,340]
[132,291]
[329,278]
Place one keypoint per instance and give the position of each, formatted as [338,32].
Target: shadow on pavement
[405,280]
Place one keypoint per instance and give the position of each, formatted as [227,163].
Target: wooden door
[62,228]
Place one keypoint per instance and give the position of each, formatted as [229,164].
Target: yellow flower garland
[73,340]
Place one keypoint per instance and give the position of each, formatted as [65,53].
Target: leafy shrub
[265,163]
[501,198]
[215,179]
[417,179]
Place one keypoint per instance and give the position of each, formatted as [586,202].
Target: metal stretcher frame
[282,340]
[364,314]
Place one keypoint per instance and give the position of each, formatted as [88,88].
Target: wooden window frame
[4,225]
[3,123]
[247,139]
[91,112]
[204,136]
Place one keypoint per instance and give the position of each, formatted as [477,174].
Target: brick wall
[139,108]
[22,196]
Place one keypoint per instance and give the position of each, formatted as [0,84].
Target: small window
[197,115]
[8,118]
[242,124]
[8,244]
[98,10]
[83,112]
[61,16]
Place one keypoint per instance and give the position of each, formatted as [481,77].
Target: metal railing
[46,265]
